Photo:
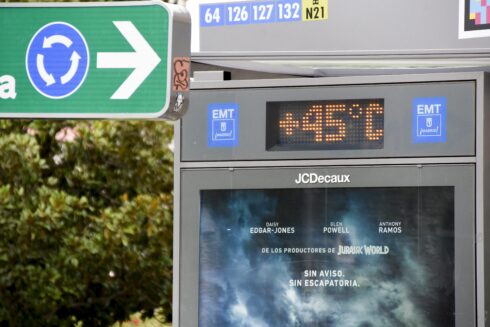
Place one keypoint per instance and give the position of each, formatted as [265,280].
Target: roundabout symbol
[57,60]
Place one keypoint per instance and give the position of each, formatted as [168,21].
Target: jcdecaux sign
[94,60]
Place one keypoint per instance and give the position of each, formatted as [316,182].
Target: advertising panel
[356,256]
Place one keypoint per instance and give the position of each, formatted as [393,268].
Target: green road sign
[94,60]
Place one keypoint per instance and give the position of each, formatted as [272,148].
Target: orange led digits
[313,121]
[339,124]
[371,133]
[355,111]
[328,124]
[289,124]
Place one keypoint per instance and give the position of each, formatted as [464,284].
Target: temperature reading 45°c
[339,124]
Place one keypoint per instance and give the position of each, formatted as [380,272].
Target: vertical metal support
[176,229]
[482,183]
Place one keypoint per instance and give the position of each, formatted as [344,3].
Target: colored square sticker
[314,10]
[429,120]
[212,15]
[223,124]
[288,10]
[237,13]
[263,12]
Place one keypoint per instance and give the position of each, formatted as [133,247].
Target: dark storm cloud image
[264,259]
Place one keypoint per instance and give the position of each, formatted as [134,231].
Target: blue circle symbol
[57,60]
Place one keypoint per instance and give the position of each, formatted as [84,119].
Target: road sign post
[94,60]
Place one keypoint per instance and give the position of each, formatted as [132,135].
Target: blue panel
[429,120]
[250,12]
[263,12]
[212,14]
[237,13]
[223,123]
[288,10]
[57,60]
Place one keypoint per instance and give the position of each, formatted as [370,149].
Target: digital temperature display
[325,125]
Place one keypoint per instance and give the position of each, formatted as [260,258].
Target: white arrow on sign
[75,60]
[53,39]
[144,60]
[48,78]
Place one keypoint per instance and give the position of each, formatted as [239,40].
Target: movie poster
[350,257]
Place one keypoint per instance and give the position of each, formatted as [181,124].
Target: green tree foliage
[85,221]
